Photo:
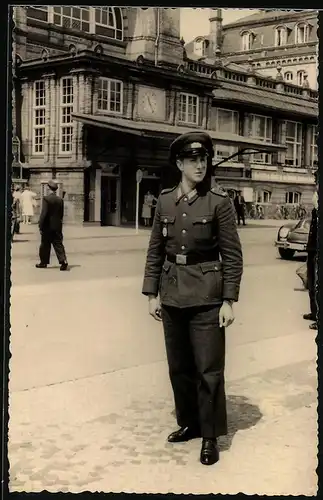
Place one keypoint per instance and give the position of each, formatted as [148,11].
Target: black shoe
[309,316]
[64,266]
[313,326]
[184,434]
[41,266]
[209,452]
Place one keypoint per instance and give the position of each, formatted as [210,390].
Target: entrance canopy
[162,130]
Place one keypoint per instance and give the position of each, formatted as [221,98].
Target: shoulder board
[168,190]
[219,191]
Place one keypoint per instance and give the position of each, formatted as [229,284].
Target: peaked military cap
[191,144]
[52,185]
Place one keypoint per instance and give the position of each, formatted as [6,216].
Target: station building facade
[100,92]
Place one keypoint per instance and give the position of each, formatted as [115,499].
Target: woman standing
[146,214]
[27,200]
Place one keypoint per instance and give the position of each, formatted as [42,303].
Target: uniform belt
[190,260]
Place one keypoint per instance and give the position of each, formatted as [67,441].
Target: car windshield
[305,224]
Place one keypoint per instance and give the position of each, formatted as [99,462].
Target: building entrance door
[110,200]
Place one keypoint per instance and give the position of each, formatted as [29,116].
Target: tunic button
[185,199]
[165,220]
[183,247]
[184,214]
[204,221]
[184,231]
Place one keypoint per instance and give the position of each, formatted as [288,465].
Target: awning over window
[162,130]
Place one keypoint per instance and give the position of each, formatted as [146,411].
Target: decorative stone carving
[98,49]
[44,54]
[72,49]
[140,60]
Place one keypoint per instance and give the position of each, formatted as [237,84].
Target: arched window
[199,47]
[263,197]
[288,76]
[76,18]
[301,77]
[109,22]
[246,40]
[280,36]
[293,197]
[301,33]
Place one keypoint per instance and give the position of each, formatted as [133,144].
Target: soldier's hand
[226,316]
[154,308]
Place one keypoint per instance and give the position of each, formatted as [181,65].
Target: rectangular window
[76,18]
[44,189]
[294,132]
[38,12]
[110,95]
[39,117]
[292,198]
[66,110]
[313,145]
[263,197]
[227,121]
[188,108]
[261,129]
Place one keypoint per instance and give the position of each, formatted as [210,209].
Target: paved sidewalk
[93,408]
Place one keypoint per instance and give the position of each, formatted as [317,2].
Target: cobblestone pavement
[269,448]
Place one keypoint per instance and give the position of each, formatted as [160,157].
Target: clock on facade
[151,103]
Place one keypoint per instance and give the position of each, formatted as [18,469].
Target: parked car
[292,237]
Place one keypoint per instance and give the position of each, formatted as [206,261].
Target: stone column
[48,77]
[307,145]
[172,106]
[203,109]
[97,202]
[75,124]
[282,140]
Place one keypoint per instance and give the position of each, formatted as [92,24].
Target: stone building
[267,39]
[100,92]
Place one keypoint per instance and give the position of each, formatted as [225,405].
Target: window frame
[264,158]
[187,96]
[42,126]
[110,81]
[232,149]
[295,195]
[249,39]
[289,73]
[305,27]
[296,143]
[262,194]
[301,77]
[44,189]
[66,125]
[281,29]
[117,28]
[314,146]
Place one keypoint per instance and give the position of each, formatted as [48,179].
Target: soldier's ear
[179,164]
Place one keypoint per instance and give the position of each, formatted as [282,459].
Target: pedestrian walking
[312,262]
[15,215]
[27,199]
[192,291]
[147,206]
[239,203]
[50,226]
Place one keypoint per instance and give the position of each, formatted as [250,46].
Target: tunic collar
[191,196]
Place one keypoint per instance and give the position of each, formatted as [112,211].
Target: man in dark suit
[50,226]
[192,290]
[239,203]
[312,263]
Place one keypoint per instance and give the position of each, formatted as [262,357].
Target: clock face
[151,103]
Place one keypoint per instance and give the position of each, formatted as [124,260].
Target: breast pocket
[168,226]
[203,227]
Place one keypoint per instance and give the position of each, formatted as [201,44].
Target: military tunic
[194,262]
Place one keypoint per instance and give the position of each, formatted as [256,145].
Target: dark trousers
[49,238]
[195,346]
[240,216]
[311,281]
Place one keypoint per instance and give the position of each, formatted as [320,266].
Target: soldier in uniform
[192,277]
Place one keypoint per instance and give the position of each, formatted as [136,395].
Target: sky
[195,22]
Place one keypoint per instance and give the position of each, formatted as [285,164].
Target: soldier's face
[193,168]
